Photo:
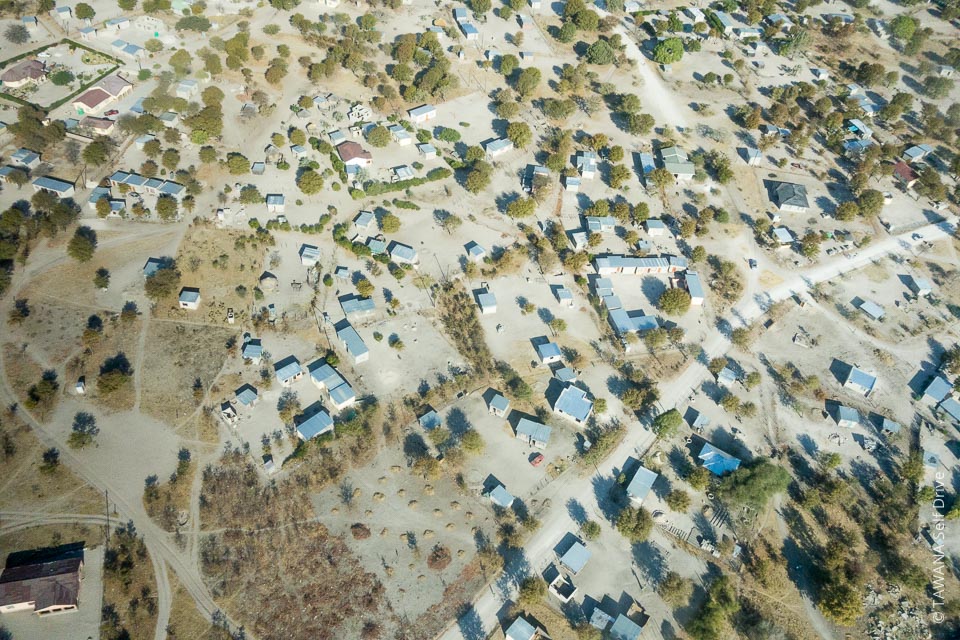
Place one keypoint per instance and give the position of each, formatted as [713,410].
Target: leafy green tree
[519,133]
[678,500]
[84,430]
[711,623]
[699,478]
[96,153]
[634,524]
[668,51]
[170,159]
[902,27]
[83,244]
[675,589]
[378,136]
[532,591]
[365,287]
[755,484]
[127,5]
[390,223]
[62,78]
[521,207]
[180,61]
[508,64]
[101,280]
[619,174]
[18,177]
[310,182]
[193,23]
[167,208]
[472,441]
[590,529]
[237,164]
[601,53]
[674,301]
[667,423]
[527,82]
[163,283]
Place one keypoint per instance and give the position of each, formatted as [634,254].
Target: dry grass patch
[186,622]
[50,535]
[129,587]
[176,357]
[23,481]
[22,372]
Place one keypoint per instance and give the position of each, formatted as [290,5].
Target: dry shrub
[439,558]
[360,531]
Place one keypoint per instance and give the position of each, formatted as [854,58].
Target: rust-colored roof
[93,98]
[904,171]
[33,69]
[351,150]
[46,583]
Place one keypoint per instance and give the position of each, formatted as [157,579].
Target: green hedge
[377,188]
[26,54]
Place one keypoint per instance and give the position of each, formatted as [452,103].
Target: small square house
[309,255]
[499,405]
[533,433]
[549,353]
[189,298]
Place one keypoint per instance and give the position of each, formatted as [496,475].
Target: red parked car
[537,460]
[112,112]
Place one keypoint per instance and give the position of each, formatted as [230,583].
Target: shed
[189,298]
[317,423]
[920,286]
[726,378]
[889,426]
[783,236]
[423,113]
[564,296]
[872,309]
[549,353]
[860,381]
[694,288]
[575,558]
[499,405]
[354,345]
[247,395]
[288,370]
[475,252]
[533,433]
[574,404]
[487,303]
[641,484]
[520,630]
[497,147]
[938,389]
[402,253]
[716,461]
[501,497]
[430,420]
[847,416]
[625,629]
[309,255]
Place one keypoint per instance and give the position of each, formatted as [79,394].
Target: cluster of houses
[315,420]
[142,185]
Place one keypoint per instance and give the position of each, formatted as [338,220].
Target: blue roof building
[938,389]
[56,186]
[533,433]
[152,266]
[288,370]
[575,558]
[342,395]
[694,287]
[497,147]
[860,381]
[574,404]
[625,629]
[353,305]
[247,395]
[847,416]
[376,246]
[402,253]
[252,349]
[319,422]
[189,298]
[499,405]
[520,630]
[354,345]
[475,251]
[501,497]
[716,461]
[549,352]
[430,420]
[641,484]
